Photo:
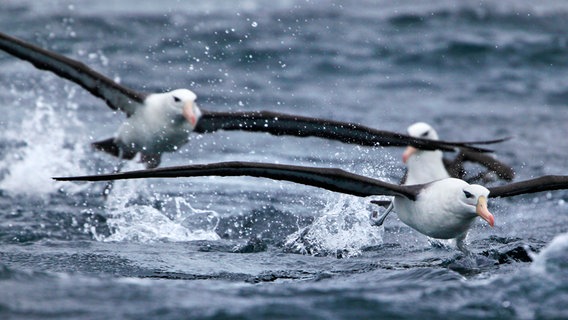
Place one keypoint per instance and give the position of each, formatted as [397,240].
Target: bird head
[184,100]
[418,130]
[474,198]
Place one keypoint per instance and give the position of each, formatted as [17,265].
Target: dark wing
[456,168]
[285,124]
[326,178]
[544,183]
[116,96]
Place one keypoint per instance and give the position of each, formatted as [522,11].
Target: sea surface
[248,248]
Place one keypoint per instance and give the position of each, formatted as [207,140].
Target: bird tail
[111,147]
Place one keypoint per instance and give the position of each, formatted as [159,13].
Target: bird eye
[176,99]
[468,194]
[425,134]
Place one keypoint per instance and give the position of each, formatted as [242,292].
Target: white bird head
[422,130]
[423,165]
[418,130]
[474,198]
[184,100]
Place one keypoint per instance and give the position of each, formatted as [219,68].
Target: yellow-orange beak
[483,212]
[189,114]
[407,153]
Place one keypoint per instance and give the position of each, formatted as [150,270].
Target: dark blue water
[228,247]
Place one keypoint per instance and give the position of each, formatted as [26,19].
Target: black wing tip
[493,141]
[75,178]
[470,145]
[61,178]
[65,179]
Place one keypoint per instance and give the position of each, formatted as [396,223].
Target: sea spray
[47,150]
[156,217]
[344,229]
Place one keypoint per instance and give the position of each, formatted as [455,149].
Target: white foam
[49,151]
[175,221]
[345,227]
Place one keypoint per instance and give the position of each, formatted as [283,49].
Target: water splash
[166,218]
[46,150]
[343,231]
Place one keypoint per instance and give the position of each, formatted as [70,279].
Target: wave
[552,261]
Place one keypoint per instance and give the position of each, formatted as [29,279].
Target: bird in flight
[161,122]
[424,166]
[442,209]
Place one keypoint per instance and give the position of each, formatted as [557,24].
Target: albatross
[424,166]
[161,122]
[428,165]
[442,209]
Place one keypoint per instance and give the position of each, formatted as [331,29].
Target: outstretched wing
[116,96]
[456,168]
[544,183]
[326,178]
[284,124]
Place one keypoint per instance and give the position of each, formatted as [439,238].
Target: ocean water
[238,248]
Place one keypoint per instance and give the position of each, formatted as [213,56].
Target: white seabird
[443,209]
[428,165]
[160,122]
[156,123]
[424,166]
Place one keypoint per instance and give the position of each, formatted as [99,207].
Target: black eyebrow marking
[468,194]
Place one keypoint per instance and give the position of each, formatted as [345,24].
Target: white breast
[436,212]
[154,128]
[425,167]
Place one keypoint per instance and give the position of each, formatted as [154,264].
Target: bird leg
[377,220]
[460,244]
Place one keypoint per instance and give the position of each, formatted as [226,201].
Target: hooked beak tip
[491,221]
[483,212]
